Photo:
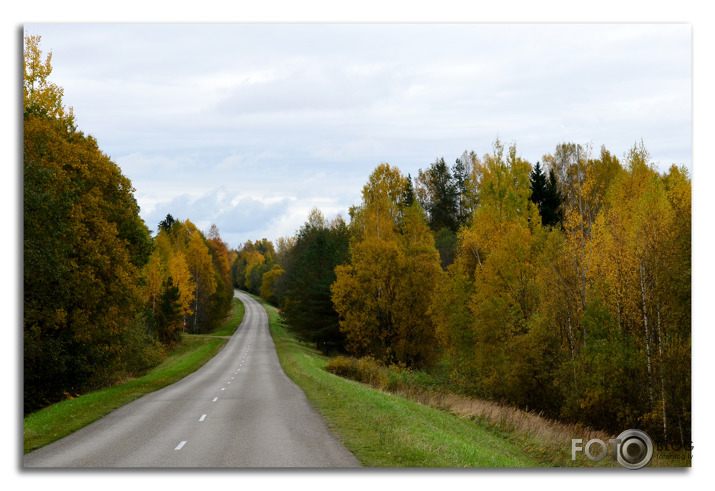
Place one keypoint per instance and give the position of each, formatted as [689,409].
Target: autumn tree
[383,293]
[253,260]
[461,171]
[268,284]
[220,300]
[181,279]
[203,275]
[497,263]
[84,247]
[153,274]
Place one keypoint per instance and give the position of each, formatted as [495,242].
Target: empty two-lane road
[238,410]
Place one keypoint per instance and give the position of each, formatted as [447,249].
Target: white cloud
[283,116]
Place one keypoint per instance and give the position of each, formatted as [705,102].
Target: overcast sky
[249,126]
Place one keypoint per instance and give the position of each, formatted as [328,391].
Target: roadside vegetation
[392,417]
[104,298]
[557,290]
[191,353]
[385,430]
[562,290]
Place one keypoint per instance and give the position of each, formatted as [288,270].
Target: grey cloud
[302,112]
[234,216]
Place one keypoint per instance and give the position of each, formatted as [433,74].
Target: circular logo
[635,450]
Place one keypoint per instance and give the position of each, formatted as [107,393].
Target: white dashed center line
[178,447]
[203,417]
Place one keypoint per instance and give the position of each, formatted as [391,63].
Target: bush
[367,370]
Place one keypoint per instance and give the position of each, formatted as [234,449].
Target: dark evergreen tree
[553,202]
[408,197]
[307,306]
[441,199]
[445,241]
[546,195]
[538,187]
[168,317]
[460,176]
[166,223]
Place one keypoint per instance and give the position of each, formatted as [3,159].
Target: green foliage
[307,307]
[168,320]
[546,196]
[84,244]
[446,243]
[607,369]
[439,196]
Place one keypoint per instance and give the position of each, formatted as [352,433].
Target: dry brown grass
[553,437]
[506,417]
[546,439]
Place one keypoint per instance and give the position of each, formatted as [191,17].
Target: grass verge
[61,419]
[388,430]
[415,427]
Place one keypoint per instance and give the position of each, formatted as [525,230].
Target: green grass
[61,419]
[392,430]
[387,430]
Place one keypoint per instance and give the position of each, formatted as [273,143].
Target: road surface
[238,410]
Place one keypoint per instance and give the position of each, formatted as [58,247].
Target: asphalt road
[239,410]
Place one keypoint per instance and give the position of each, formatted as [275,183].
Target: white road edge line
[178,447]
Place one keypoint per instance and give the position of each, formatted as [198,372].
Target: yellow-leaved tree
[202,273]
[382,296]
[153,274]
[178,270]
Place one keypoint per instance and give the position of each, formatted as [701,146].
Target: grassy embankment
[387,430]
[61,419]
[418,427]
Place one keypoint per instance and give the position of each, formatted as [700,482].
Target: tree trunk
[647,333]
[196,309]
[662,378]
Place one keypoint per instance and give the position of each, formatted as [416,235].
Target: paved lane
[238,410]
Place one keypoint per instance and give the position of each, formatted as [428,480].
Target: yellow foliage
[383,296]
[178,270]
[153,275]
[268,292]
[39,94]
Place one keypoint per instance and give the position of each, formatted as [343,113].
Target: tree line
[564,287]
[103,299]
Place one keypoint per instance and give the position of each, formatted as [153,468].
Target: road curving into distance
[238,410]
